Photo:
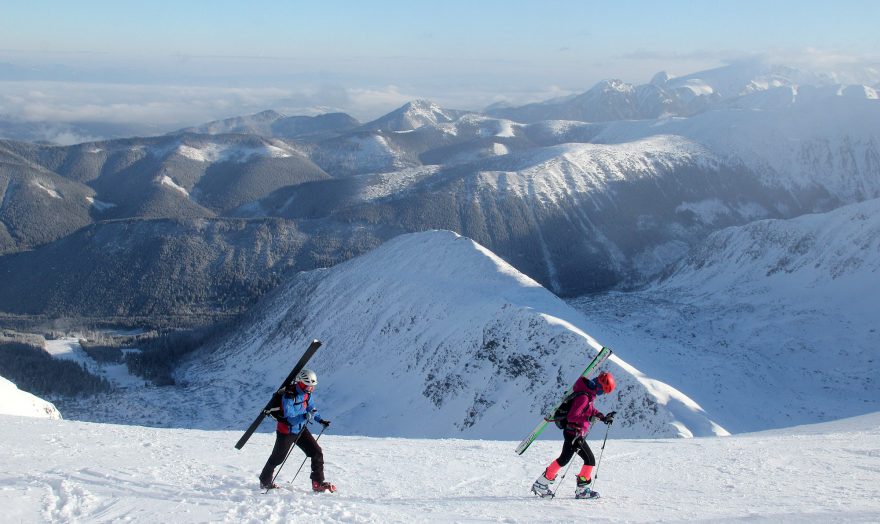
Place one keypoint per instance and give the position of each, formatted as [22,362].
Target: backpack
[275,409]
[560,416]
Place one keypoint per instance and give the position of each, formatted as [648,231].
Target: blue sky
[368,57]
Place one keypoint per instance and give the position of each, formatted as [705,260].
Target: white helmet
[307,377]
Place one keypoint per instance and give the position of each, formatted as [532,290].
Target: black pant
[306,442]
[572,443]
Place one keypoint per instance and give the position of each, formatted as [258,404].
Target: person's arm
[313,409]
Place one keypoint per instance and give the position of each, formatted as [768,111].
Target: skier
[298,409]
[578,419]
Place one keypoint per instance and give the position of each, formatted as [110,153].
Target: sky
[166,63]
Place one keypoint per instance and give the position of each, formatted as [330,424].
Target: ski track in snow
[63,471]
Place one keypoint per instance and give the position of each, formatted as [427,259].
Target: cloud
[59,110]
[66,137]
[126,103]
[165,108]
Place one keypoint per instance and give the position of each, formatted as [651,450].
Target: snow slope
[14,401]
[832,145]
[429,335]
[766,325]
[551,175]
[63,471]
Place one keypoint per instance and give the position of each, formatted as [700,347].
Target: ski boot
[320,487]
[268,484]
[541,487]
[583,489]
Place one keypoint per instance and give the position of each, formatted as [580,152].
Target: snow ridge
[455,337]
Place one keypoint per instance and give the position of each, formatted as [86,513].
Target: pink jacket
[578,420]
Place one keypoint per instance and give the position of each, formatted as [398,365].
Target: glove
[609,418]
[324,422]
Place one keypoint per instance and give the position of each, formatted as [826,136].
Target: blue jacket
[299,409]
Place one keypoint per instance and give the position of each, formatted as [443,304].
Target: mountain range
[772,323]
[428,335]
[760,326]
[580,206]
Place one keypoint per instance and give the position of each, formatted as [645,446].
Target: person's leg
[586,453]
[542,484]
[584,487]
[279,451]
[312,449]
[568,449]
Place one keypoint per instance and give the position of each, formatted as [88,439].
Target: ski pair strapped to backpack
[273,405]
[551,416]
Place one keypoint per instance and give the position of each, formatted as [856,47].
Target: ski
[296,369]
[600,357]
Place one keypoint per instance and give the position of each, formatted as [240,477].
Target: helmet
[606,380]
[307,377]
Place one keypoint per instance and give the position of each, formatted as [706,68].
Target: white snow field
[64,471]
[14,401]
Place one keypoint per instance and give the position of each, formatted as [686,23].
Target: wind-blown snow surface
[63,471]
[14,401]
[779,318]
[430,335]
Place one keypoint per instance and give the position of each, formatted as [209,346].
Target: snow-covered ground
[14,401]
[64,471]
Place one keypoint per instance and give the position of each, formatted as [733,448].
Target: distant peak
[661,78]
[422,104]
[268,114]
[613,84]
[412,115]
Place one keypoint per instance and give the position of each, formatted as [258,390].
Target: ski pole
[564,473]
[298,435]
[601,452]
[304,460]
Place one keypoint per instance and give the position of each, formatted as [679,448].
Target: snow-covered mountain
[273,124]
[38,206]
[779,316]
[828,150]
[579,206]
[753,84]
[66,471]
[837,252]
[429,335]
[14,401]
[414,115]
